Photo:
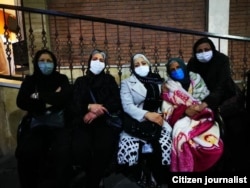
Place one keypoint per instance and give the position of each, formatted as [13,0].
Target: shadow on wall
[8,131]
[10,116]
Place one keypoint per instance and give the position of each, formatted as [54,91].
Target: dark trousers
[151,162]
[31,154]
[42,155]
[93,148]
[237,143]
[61,153]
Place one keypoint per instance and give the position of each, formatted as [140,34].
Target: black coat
[46,87]
[217,76]
[105,90]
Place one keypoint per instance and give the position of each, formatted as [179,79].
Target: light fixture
[9,20]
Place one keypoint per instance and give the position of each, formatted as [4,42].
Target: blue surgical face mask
[177,74]
[46,67]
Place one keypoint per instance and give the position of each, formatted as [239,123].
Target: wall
[218,16]
[178,14]
[186,14]
[172,13]
[4,68]
[10,116]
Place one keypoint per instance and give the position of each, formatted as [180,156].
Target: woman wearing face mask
[43,93]
[196,140]
[214,68]
[94,142]
[140,95]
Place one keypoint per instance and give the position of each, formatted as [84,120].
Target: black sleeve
[24,100]
[217,78]
[191,66]
[78,103]
[221,88]
[113,101]
[58,99]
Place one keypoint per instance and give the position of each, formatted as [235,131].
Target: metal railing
[71,37]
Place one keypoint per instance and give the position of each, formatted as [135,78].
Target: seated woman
[44,96]
[94,142]
[196,142]
[214,68]
[141,100]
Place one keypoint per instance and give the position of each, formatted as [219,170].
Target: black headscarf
[185,82]
[203,68]
[201,41]
[98,82]
[151,81]
[37,72]
[95,81]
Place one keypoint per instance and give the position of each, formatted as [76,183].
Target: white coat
[133,94]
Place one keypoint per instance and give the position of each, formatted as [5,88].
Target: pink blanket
[196,140]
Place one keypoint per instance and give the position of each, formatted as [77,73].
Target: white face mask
[96,66]
[142,70]
[204,57]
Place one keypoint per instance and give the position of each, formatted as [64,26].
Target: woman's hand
[195,109]
[154,117]
[58,89]
[97,109]
[34,95]
[89,117]
[164,88]
[190,111]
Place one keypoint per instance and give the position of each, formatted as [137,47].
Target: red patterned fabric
[196,145]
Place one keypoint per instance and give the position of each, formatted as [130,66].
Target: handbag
[145,130]
[50,119]
[112,119]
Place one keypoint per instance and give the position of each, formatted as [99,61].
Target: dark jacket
[105,91]
[46,86]
[216,74]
